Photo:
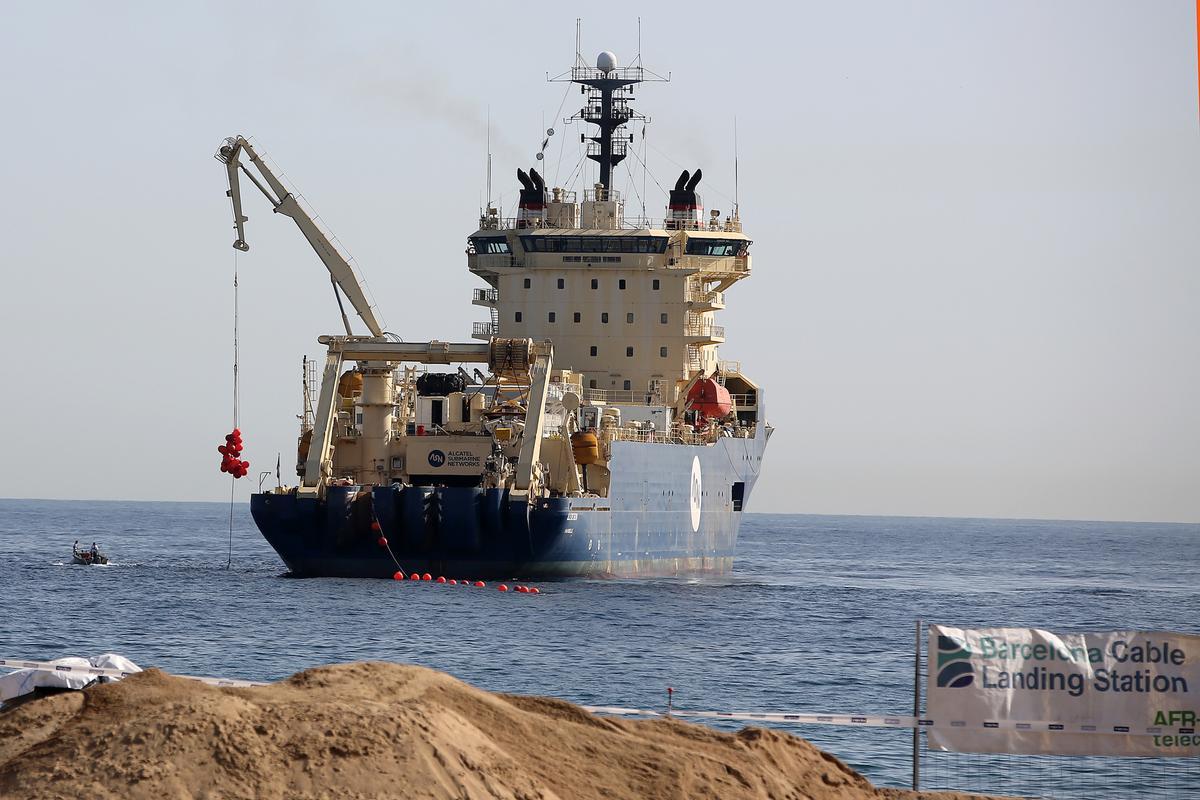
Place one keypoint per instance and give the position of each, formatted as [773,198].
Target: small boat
[87,557]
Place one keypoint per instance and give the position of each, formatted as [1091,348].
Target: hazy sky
[976,261]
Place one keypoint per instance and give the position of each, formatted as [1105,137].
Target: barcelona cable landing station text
[1138,677]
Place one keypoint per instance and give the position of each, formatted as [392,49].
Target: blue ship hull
[672,509]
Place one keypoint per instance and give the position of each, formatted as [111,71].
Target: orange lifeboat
[709,398]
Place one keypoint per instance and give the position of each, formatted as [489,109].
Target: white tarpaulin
[1111,680]
[24,681]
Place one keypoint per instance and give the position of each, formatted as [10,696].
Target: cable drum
[511,358]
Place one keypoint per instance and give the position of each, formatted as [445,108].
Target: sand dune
[373,730]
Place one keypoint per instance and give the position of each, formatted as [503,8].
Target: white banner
[1117,682]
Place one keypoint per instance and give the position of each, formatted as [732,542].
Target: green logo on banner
[954,669]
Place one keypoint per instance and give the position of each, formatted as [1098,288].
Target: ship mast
[609,89]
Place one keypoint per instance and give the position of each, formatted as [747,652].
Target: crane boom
[284,202]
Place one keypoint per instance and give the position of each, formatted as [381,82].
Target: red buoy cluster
[400,575]
[418,576]
[230,452]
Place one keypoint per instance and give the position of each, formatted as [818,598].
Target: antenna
[489,156]
[645,166]
[735,169]
[639,54]
[578,41]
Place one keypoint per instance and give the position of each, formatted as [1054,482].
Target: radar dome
[606,61]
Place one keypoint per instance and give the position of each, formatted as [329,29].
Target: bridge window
[627,385]
[552,316]
[590,244]
[577,316]
[595,283]
[490,244]
[718,247]
[604,317]
[561,283]
[629,318]
[655,284]
[662,318]
[621,284]
[526,283]
[517,317]
[629,352]
[592,352]
[662,352]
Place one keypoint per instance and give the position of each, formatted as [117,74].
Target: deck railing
[628,397]
[627,223]
[706,329]
[727,264]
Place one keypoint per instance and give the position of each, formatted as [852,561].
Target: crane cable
[233,478]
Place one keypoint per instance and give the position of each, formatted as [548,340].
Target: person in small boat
[94,552]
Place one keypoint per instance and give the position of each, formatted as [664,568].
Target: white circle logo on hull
[695,493]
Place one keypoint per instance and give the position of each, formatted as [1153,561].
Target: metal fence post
[916,743]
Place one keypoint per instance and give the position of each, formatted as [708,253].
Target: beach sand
[375,730]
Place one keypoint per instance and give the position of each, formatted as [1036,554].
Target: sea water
[818,615]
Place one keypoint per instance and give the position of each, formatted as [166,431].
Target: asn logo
[954,668]
[697,493]
[437,458]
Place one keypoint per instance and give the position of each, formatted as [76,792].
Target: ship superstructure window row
[489,244]
[591,244]
[717,247]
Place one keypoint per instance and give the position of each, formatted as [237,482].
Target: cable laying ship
[607,438]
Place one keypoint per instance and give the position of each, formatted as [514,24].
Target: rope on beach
[875,721]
